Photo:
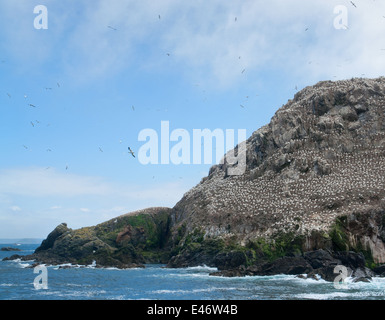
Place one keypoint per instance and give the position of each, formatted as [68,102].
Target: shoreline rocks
[9,249]
[310,265]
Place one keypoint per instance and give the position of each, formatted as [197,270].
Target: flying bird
[112,28]
[131,152]
[353,4]
[31,105]
[8,95]
[100,149]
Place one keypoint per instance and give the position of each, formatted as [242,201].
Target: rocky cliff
[314,181]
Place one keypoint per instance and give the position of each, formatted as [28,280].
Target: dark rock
[350,259]
[285,265]
[51,238]
[320,258]
[229,260]
[13,257]
[380,270]
[326,273]
[349,114]
[10,249]
[362,274]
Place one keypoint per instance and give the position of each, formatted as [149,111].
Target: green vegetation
[282,245]
[339,235]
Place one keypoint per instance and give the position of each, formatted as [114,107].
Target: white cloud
[15,208]
[206,38]
[39,182]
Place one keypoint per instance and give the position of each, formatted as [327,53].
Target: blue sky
[105,70]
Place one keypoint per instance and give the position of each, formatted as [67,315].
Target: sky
[79,82]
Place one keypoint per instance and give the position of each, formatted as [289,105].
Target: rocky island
[312,198]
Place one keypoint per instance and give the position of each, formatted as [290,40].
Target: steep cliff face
[321,157]
[314,180]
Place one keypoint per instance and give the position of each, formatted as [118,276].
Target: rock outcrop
[128,241]
[313,191]
[9,249]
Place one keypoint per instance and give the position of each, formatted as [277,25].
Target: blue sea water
[156,282]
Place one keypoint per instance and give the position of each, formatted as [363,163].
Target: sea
[156,282]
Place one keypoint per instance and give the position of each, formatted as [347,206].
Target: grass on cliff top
[153,227]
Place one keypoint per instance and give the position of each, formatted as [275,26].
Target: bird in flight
[31,105]
[100,149]
[353,4]
[112,28]
[131,152]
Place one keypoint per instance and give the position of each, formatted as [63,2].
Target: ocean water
[156,282]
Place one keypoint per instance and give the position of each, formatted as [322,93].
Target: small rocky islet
[312,198]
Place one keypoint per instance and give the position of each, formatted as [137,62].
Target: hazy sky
[74,96]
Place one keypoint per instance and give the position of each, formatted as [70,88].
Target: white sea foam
[24,265]
[181,291]
[8,285]
[202,268]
